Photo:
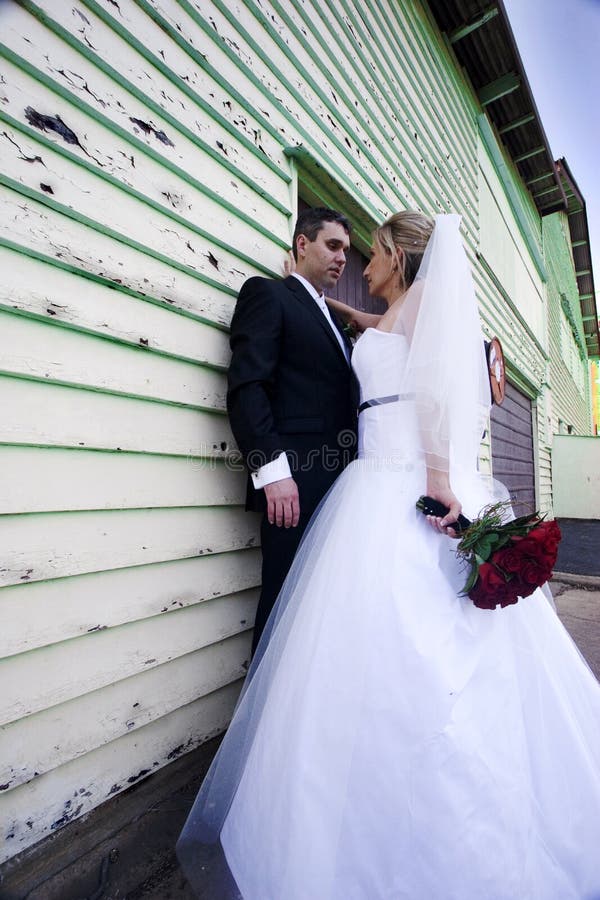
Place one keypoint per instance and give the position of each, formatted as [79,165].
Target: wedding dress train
[393,741]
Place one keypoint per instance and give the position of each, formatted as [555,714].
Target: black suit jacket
[290,388]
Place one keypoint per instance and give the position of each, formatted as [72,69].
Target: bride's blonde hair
[403,237]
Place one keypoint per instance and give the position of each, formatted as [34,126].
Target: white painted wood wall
[143,178]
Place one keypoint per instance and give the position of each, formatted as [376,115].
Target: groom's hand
[283,503]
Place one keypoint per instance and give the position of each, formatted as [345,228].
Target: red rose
[524,562]
[524,588]
[491,587]
[533,573]
[511,597]
[491,579]
[510,558]
[551,538]
[481,599]
[532,548]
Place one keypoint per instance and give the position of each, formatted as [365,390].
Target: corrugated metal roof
[484,44]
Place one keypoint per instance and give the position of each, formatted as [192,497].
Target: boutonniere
[351,331]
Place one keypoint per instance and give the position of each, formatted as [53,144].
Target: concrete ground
[579,611]
[124,849]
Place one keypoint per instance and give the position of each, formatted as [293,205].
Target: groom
[292,396]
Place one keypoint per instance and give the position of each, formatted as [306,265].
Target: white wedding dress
[394,742]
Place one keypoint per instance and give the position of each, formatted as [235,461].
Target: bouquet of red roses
[506,560]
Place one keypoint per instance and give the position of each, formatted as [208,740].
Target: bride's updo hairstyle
[403,237]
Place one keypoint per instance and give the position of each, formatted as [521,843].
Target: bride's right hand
[289,264]
[438,487]
[363,320]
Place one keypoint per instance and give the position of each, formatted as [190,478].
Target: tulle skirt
[394,741]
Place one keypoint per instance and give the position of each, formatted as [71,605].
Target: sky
[559,43]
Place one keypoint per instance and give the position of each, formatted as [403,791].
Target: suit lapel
[300,293]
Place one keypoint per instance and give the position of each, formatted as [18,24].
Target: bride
[394,742]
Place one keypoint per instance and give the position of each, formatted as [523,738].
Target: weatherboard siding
[143,179]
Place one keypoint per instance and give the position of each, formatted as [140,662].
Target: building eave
[582,257]
[481,37]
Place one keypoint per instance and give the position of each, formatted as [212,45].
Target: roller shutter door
[512,448]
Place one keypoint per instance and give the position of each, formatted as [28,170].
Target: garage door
[512,449]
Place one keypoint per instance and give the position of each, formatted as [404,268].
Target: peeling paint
[149,129]
[139,775]
[51,123]
[68,815]
[77,12]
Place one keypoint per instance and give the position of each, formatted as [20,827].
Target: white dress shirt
[279,468]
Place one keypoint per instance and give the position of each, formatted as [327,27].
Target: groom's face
[322,261]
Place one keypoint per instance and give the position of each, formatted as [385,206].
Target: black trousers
[279,547]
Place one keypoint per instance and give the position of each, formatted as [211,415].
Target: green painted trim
[93,389]
[456,190]
[94,510]
[120,288]
[512,196]
[24,585]
[116,510]
[521,381]
[315,179]
[424,184]
[210,460]
[570,317]
[502,86]
[505,296]
[22,64]
[302,103]
[184,87]
[210,70]
[76,216]
[425,31]
[52,322]
[516,123]
[112,73]
[473,24]
[143,198]
[529,154]
[247,73]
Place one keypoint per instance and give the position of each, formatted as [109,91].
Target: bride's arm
[350,316]
[438,487]
[361,320]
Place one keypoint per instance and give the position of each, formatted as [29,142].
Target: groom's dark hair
[310,222]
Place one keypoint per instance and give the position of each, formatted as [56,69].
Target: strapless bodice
[387,431]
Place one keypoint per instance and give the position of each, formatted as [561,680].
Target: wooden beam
[535,180]
[517,123]
[473,24]
[549,190]
[535,152]
[502,86]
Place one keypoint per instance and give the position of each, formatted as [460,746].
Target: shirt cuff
[276,470]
